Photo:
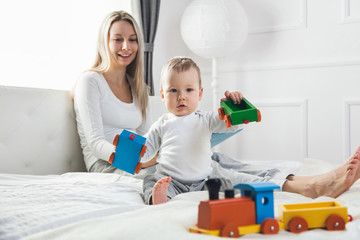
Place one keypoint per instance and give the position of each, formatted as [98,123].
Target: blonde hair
[135,70]
[178,64]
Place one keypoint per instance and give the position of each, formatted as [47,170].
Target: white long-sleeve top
[100,115]
[184,144]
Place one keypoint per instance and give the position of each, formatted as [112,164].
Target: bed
[47,194]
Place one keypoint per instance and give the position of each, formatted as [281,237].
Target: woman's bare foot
[331,184]
[159,194]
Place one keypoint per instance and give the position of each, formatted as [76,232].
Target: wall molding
[348,103]
[346,13]
[302,104]
[301,24]
[285,66]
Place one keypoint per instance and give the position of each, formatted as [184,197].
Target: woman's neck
[116,76]
[119,85]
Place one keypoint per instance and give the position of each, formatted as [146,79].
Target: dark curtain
[149,10]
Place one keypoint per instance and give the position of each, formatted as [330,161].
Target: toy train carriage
[301,217]
[234,114]
[235,216]
[129,149]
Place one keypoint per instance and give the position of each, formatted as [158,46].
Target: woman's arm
[90,126]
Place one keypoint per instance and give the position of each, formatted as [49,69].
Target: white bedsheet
[31,204]
[117,210]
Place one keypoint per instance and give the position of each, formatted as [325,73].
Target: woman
[112,96]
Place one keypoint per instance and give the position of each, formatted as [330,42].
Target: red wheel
[227,121]
[143,150]
[269,226]
[116,139]
[111,159]
[298,225]
[138,168]
[350,218]
[221,113]
[259,115]
[335,222]
[230,230]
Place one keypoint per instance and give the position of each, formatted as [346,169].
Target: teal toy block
[130,148]
[262,194]
[235,114]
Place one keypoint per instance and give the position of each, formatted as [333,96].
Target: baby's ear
[201,93]
[162,95]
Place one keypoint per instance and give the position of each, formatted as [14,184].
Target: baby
[182,136]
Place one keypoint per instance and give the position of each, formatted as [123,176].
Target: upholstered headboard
[38,131]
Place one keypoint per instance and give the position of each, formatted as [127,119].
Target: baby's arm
[153,142]
[150,163]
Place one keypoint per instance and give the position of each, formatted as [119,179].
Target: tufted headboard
[38,131]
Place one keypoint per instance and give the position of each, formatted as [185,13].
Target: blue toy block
[130,147]
[263,195]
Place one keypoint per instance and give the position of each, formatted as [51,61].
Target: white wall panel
[281,135]
[351,126]
[351,11]
[275,15]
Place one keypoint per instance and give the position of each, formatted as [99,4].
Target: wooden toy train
[253,212]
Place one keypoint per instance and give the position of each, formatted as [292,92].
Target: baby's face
[181,92]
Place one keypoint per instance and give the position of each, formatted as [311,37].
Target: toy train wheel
[230,230]
[116,139]
[143,150]
[138,168]
[111,159]
[259,115]
[269,226]
[221,113]
[298,225]
[227,121]
[335,222]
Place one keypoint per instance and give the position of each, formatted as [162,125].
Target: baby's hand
[236,97]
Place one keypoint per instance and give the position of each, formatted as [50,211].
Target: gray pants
[176,187]
[229,171]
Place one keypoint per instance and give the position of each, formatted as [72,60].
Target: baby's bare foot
[159,194]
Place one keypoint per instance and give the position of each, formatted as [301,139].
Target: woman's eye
[118,39]
[133,40]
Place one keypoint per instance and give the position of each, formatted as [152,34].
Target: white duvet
[31,204]
[106,206]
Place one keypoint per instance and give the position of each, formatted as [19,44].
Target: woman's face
[123,44]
